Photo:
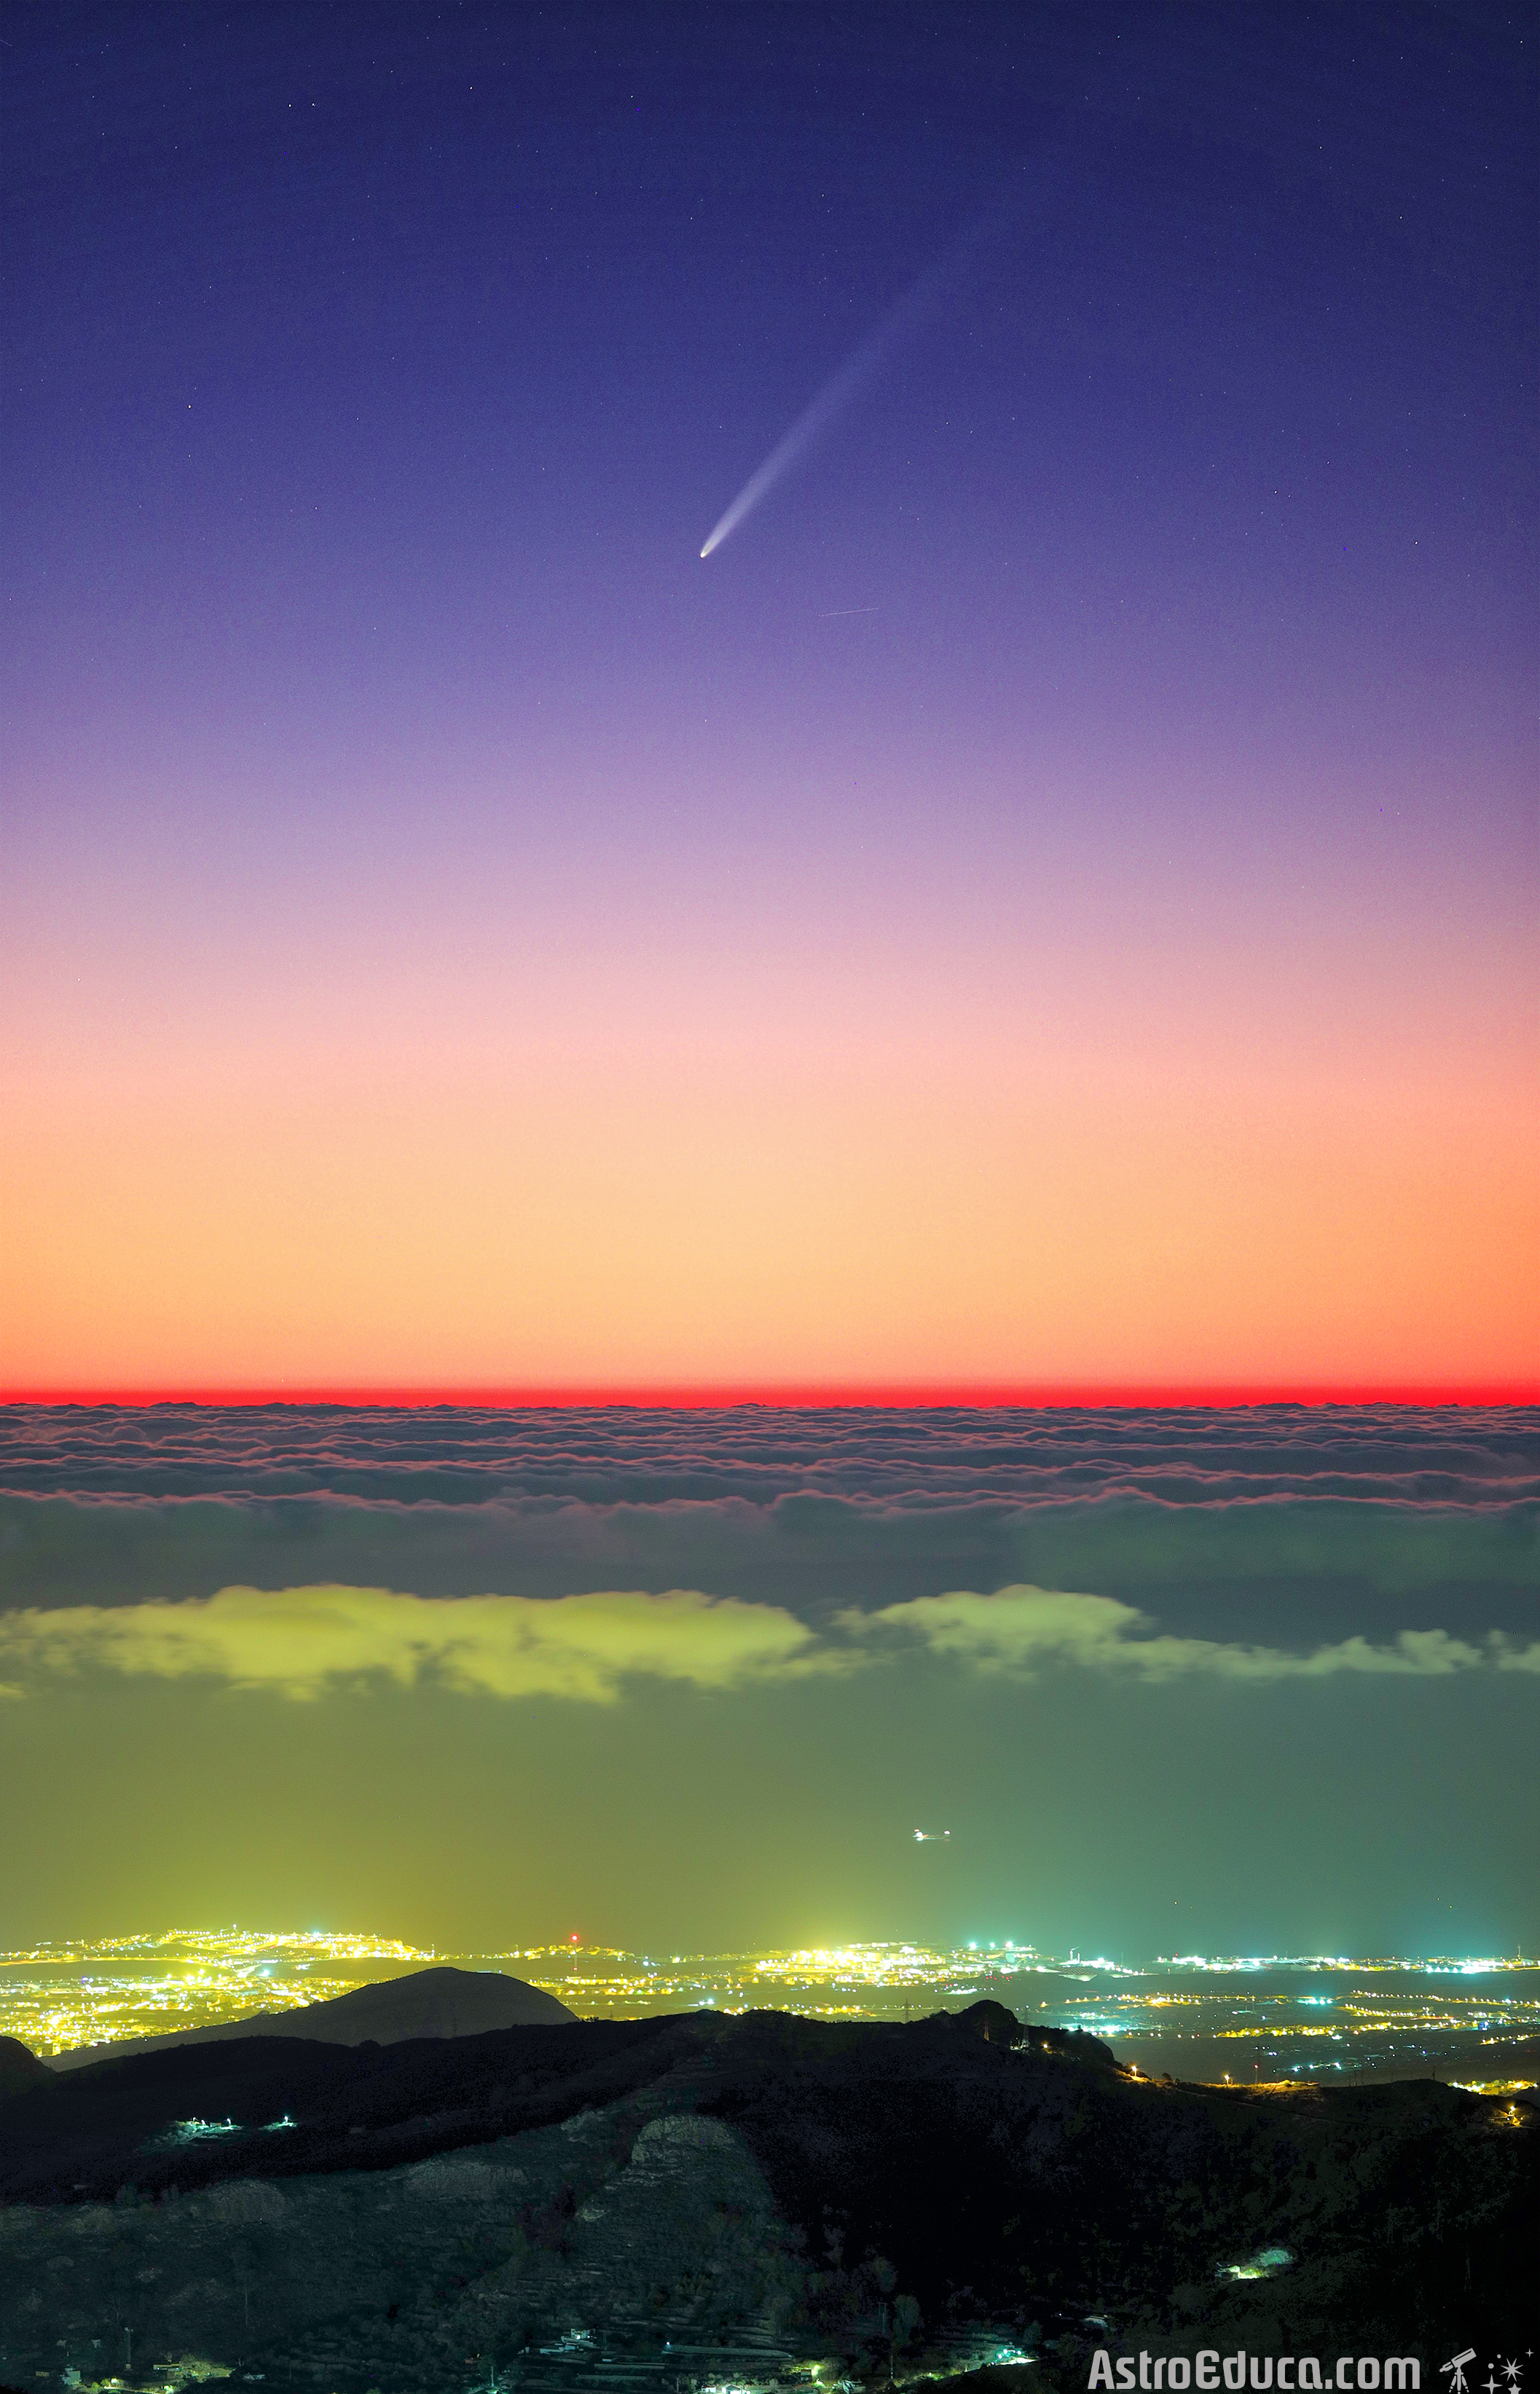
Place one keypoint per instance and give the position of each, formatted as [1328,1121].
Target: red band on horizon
[706,1396]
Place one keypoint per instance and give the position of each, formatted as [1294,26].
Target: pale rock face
[463,2178]
[686,2128]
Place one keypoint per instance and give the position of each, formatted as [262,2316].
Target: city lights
[1184,2015]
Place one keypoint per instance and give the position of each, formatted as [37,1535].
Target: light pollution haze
[1050,904]
[1248,1679]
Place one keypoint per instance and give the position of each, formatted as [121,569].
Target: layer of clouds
[1282,1532]
[638,1455]
[1286,1572]
[1022,1631]
[300,1642]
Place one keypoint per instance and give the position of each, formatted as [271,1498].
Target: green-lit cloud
[301,1641]
[1019,1631]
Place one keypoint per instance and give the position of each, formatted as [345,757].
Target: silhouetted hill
[91,2130]
[425,2003]
[997,2026]
[954,2170]
[20,2067]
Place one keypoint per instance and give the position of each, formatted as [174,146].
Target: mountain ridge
[973,2165]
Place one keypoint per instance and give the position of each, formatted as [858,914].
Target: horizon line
[723,1395]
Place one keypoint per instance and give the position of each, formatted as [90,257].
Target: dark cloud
[1280,1525]
[605,1454]
[1262,1680]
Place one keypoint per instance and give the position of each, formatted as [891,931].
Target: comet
[831,402]
[845,384]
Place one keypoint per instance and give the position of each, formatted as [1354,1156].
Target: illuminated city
[1199,2016]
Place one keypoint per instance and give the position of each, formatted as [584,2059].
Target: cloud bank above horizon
[302,1643]
[1272,1527]
[699,1675]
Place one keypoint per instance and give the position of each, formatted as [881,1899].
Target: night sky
[1049,903]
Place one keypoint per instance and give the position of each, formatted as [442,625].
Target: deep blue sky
[353,326]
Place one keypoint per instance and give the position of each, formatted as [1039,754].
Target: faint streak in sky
[902,319]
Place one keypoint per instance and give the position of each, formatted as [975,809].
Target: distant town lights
[118,1987]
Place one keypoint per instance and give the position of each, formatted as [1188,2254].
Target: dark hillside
[20,2067]
[1023,2183]
[916,2182]
[115,2123]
